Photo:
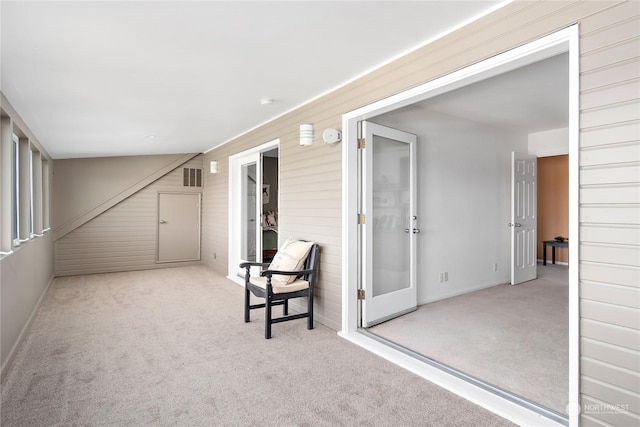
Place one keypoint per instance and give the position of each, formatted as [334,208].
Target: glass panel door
[245,235]
[391,237]
[390,230]
[249,212]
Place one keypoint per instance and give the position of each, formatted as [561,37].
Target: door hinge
[361,143]
[360,294]
[361,219]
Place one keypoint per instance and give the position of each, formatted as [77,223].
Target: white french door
[524,205]
[390,229]
[246,211]
[245,207]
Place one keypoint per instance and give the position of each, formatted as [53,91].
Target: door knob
[416,230]
[406,230]
[162,221]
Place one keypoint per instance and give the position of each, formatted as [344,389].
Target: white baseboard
[458,293]
[16,346]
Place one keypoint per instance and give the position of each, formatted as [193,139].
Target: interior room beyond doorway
[465,140]
[513,337]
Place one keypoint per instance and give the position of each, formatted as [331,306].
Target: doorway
[253,203]
[461,175]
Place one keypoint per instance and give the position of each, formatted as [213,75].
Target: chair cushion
[290,257]
[278,288]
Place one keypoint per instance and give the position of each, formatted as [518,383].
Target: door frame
[562,41]
[235,200]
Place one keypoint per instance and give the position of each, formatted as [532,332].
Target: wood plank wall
[609,159]
[123,237]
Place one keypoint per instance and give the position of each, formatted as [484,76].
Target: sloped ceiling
[95,78]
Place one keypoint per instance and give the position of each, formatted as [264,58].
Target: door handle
[162,221]
[517,224]
[416,230]
[406,230]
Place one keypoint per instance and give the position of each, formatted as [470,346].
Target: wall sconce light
[306,134]
[213,166]
[331,136]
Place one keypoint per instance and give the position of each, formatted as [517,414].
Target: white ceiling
[529,99]
[98,78]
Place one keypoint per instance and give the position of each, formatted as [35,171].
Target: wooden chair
[277,287]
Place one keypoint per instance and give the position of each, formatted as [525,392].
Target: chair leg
[310,311]
[247,301]
[285,307]
[267,317]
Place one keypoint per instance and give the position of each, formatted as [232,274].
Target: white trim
[573,37]
[545,47]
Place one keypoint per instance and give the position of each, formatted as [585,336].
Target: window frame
[15,190]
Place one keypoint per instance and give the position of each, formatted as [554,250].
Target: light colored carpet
[169,347]
[514,337]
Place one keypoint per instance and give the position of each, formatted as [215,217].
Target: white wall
[463,217]
[554,142]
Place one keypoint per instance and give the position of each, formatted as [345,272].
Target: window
[15,170]
[45,194]
[36,192]
[24,188]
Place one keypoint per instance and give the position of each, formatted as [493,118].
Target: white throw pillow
[290,257]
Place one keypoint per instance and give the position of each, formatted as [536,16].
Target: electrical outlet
[215,255]
[495,267]
[446,276]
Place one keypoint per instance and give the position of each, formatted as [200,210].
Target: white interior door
[179,227]
[390,230]
[524,205]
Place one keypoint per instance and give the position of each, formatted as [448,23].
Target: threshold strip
[514,398]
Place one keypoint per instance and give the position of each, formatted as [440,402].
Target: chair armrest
[254,264]
[269,273]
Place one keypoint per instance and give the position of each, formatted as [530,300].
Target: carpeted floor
[169,347]
[514,337]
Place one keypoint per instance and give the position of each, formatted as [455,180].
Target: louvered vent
[192,177]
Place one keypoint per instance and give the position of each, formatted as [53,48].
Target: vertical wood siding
[123,237]
[310,180]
